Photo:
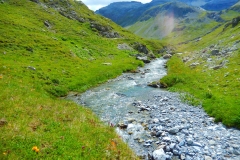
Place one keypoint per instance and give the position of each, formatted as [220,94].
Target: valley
[187,51]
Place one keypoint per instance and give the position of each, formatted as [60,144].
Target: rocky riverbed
[166,128]
[155,123]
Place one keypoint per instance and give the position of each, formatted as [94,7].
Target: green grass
[38,65]
[217,90]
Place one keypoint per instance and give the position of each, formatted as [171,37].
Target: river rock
[159,155]
[173,130]
[144,59]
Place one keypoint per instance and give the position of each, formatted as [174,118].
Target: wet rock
[155,84]
[144,59]
[122,125]
[159,155]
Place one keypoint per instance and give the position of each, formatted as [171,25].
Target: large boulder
[167,56]
[144,59]
[141,48]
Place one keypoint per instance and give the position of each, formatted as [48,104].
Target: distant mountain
[128,13]
[159,21]
[218,5]
[119,10]
[236,7]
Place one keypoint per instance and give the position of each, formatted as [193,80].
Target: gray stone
[207,158]
[47,24]
[167,139]
[167,56]
[144,59]
[194,64]
[175,152]
[236,152]
[196,144]
[212,142]
[172,145]
[122,125]
[159,155]
[215,52]
[173,130]
[181,143]
[31,68]
[189,141]
[124,46]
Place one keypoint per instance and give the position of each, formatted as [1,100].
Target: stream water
[113,100]
[155,123]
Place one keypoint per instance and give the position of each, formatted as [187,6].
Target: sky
[96,4]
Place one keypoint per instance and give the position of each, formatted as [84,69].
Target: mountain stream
[155,123]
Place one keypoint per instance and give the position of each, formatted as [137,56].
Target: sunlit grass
[40,64]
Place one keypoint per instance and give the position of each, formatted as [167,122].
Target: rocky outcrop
[235,21]
[105,31]
[124,46]
[215,16]
[141,48]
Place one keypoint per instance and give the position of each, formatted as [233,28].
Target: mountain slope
[160,21]
[218,5]
[49,48]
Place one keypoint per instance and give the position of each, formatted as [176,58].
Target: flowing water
[113,100]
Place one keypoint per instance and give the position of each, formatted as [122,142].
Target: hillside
[49,48]
[206,71]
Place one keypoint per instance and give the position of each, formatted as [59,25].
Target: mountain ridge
[132,15]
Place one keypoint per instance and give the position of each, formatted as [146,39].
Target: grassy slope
[218,93]
[67,57]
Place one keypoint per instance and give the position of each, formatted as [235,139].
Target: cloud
[96,4]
